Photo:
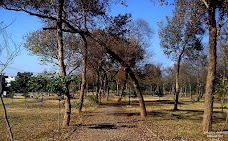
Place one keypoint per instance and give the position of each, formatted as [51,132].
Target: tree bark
[177,89]
[108,91]
[142,105]
[84,64]
[208,110]
[62,68]
[98,87]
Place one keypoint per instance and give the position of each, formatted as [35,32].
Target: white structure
[9,79]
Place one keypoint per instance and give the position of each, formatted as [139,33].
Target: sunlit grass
[186,123]
[31,119]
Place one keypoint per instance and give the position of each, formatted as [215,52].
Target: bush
[91,99]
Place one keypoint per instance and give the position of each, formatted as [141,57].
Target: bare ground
[110,122]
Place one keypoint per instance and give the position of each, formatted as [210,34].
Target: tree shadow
[125,114]
[102,126]
[177,114]
[108,126]
[160,102]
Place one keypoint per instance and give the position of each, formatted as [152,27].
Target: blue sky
[24,24]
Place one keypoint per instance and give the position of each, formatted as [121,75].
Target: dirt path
[110,122]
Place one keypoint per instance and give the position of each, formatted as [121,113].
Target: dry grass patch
[33,120]
[186,123]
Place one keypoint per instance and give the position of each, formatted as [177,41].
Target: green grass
[37,121]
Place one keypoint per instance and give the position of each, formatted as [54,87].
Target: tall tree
[179,39]
[214,14]
[57,15]
[214,25]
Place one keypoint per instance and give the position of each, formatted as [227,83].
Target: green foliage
[113,86]
[221,89]
[221,92]
[21,84]
[91,100]
[47,82]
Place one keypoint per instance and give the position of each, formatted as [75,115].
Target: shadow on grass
[125,114]
[160,102]
[108,126]
[177,114]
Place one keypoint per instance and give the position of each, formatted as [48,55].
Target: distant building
[8,80]
[6,83]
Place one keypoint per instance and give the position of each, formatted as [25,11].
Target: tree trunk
[6,118]
[123,87]
[62,69]
[83,84]
[117,88]
[143,112]
[177,85]
[66,120]
[208,111]
[98,87]
[108,91]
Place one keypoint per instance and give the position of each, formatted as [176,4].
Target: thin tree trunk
[177,86]
[208,111]
[123,87]
[66,119]
[117,87]
[98,86]
[83,85]
[108,92]
[7,120]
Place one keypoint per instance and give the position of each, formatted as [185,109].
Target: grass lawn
[37,121]
[186,123]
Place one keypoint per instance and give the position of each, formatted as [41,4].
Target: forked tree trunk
[62,69]
[83,84]
[208,110]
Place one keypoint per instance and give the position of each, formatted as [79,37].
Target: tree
[73,20]
[221,89]
[102,38]
[180,40]
[43,43]
[152,77]
[21,83]
[10,51]
[50,13]
[214,14]
[211,7]
[222,69]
